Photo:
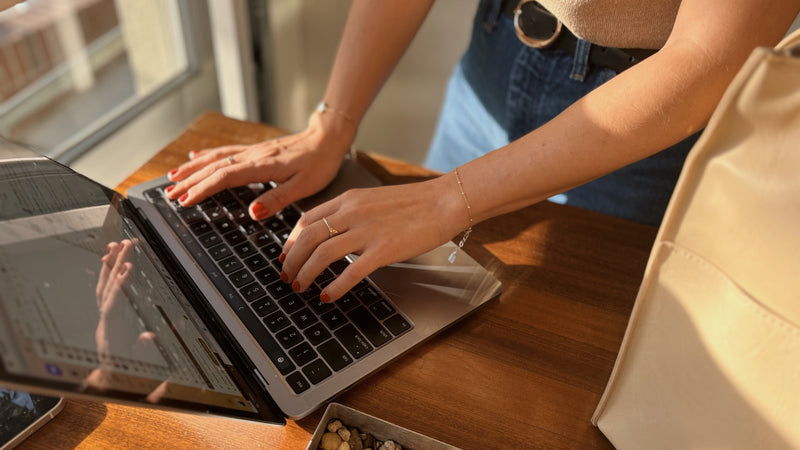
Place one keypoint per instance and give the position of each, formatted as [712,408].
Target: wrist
[334,125]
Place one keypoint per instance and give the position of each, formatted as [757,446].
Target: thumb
[277,198]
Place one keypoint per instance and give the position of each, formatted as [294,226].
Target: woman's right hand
[301,164]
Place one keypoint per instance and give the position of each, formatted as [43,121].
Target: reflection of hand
[110,296]
[383,225]
[302,164]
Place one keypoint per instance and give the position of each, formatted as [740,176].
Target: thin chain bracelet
[323,107]
[452,257]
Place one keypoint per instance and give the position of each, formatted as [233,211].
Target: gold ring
[331,231]
[230,160]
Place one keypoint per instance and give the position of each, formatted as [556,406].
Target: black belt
[539,28]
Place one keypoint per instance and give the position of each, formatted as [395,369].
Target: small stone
[369,441]
[334,425]
[355,440]
[330,441]
[344,433]
[388,445]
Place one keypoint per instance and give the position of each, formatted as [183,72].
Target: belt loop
[491,15]
[580,64]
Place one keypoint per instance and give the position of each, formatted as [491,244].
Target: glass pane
[70,67]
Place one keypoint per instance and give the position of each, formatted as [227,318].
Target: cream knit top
[617,23]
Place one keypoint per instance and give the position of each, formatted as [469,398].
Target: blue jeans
[502,89]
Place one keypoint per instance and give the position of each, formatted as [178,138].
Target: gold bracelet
[323,107]
[452,257]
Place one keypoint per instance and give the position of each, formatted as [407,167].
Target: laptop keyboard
[307,340]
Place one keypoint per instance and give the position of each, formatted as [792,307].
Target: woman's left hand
[382,225]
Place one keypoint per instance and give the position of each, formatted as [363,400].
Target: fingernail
[192,154]
[284,277]
[296,286]
[258,211]
[123,270]
[282,257]
[183,198]
[172,173]
[324,297]
[169,188]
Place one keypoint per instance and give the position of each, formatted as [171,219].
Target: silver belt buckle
[532,41]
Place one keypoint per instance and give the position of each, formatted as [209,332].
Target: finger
[107,264]
[313,252]
[310,217]
[217,177]
[348,279]
[199,159]
[121,266]
[279,197]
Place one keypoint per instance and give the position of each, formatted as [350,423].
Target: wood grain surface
[524,371]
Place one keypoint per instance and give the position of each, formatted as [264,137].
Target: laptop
[199,323]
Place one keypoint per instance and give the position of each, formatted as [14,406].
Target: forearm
[376,35]
[640,112]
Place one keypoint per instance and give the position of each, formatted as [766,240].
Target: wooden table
[524,371]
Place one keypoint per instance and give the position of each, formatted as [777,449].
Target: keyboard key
[223,196]
[289,337]
[291,303]
[334,319]
[324,278]
[381,309]
[220,251]
[244,194]
[191,215]
[262,238]
[245,249]
[207,204]
[311,293]
[334,355]
[279,289]
[298,383]
[234,237]
[275,224]
[241,278]
[397,324]
[267,276]
[230,265]
[250,227]
[290,216]
[210,240]
[239,216]
[338,266]
[252,292]
[256,262]
[216,213]
[303,354]
[276,321]
[283,236]
[317,371]
[264,306]
[304,318]
[370,326]
[271,250]
[200,228]
[353,341]
[347,302]
[368,295]
[316,334]
[319,307]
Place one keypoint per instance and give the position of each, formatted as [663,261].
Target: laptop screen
[66,323]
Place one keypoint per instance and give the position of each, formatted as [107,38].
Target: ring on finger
[331,231]
[230,160]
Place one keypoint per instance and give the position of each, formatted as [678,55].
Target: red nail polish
[258,211]
[173,172]
[282,258]
[192,154]
[284,277]
[184,197]
[324,297]
[296,286]
[169,189]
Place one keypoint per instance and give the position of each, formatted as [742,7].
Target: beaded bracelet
[452,257]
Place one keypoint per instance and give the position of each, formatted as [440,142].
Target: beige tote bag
[711,356]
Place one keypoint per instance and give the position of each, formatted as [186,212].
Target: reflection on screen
[61,321]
